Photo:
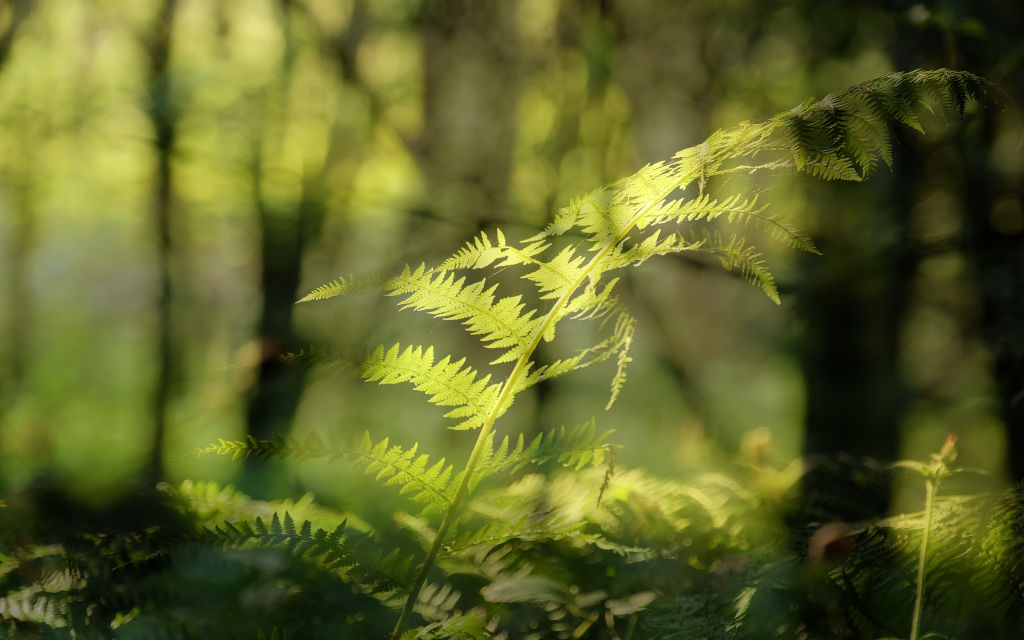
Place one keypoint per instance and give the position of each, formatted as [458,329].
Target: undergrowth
[545,536]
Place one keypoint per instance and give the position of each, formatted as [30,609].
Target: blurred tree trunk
[18,311]
[993,241]
[18,11]
[993,219]
[275,397]
[991,196]
[285,233]
[855,315]
[470,81]
[163,115]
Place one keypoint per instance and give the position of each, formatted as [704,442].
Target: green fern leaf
[342,287]
[737,255]
[575,447]
[446,382]
[501,323]
[429,483]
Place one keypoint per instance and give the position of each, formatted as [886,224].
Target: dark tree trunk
[163,117]
[284,236]
[994,242]
[275,398]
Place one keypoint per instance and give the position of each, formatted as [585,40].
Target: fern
[447,383]
[837,138]
[429,482]
[571,264]
[357,556]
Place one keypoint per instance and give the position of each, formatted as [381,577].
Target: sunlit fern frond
[428,481]
[737,255]
[342,286]
[666,207]
[576,448]
[501,323]
[535,527]
[338,287]
[447,383]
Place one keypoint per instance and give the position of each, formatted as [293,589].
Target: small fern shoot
[572,263]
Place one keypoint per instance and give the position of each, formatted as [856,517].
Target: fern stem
[460,495]
[506,390]
[929,498]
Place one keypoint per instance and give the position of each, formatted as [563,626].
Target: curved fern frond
[446,382]
[355,555]
[736,254]
[413,472]
[312,446]
[500,323]
[577,447]
[341,286]
[531,528]
[427,482]
[840,137]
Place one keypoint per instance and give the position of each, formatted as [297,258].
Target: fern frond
[531,528]
[971,566]
[356,555]
[616,344]
[446,382]
[478,253]
[276,447]
[737,255]
[501,323]
[474,624]
[428,481]
[415,473]
[214,504]
[341,286]
[575,448]
[436,601]
[553,277]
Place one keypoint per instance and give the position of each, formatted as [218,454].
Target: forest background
[175,174]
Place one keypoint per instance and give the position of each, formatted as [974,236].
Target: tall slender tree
[163,116]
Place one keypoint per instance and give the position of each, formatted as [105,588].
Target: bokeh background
[174,174]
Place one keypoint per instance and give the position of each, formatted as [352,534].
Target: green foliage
[431,483]
[565,545]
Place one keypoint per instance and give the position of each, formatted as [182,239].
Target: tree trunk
[163,117]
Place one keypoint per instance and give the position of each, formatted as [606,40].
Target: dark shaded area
[146,566]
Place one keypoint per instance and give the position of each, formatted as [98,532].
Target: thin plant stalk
[933,474]
[929,497]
